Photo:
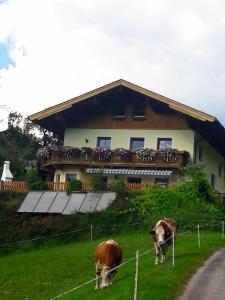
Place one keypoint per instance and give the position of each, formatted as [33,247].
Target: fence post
[199,241]
[136,275]
[222,230]
[91,233]
[173,249]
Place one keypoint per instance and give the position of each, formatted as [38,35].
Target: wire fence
[91,229]
[139,255]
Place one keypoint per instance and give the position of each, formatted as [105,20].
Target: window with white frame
[164,143]
[104,142]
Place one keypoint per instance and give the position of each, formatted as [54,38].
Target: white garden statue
[6,174]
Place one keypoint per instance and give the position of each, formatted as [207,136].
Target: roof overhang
[171,103]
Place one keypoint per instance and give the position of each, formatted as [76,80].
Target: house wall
[212,160]
[181,139]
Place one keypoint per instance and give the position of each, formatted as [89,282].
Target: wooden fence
[21,186]
[15,186]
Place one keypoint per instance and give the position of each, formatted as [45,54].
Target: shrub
[119,187]
[177,203]
[74,186]
[31,177]
[97,182]
[34,182]
[39,186]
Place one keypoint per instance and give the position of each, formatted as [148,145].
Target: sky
[54,50]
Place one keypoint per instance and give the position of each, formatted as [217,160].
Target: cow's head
[107,277]
[160,235]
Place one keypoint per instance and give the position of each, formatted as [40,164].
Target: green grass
[49,271]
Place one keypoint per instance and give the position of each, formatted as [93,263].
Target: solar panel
[30,201]
[74,203]
[90,202]
[105,201]
[59,203]
[45,202]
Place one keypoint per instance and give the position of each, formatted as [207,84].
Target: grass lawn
[48,271]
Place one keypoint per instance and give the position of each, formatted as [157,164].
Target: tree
[14,119]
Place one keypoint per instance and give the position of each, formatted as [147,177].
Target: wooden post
[91,233]
[199,241]
[136,275]
[173,250]
[222,230]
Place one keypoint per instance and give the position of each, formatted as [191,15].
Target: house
[133,134]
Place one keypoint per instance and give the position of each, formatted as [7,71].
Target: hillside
[19,149]
[46,272]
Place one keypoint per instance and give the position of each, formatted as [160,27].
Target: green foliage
[119,187]
[39,186]
[200,184]
[18,148]
[31,177]
[74,186]
[97,183]
[191,200]
[34,182]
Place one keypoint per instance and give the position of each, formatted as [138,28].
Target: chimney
[6,174]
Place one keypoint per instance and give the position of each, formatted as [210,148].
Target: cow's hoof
[156,263]
[96,288]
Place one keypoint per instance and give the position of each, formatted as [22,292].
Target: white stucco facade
[120,138]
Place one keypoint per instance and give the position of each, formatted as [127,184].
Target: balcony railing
[170,158]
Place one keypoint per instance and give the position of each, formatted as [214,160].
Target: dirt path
[209,281]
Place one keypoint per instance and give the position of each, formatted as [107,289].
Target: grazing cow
[108,255]
[162,235]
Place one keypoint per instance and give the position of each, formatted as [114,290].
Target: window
[220,170]
[136,143]
[118,111]
[134,180]
[104,142]
[164,143]
[71,177]
[200,153]
[162,182]
[139,111]
[213,181]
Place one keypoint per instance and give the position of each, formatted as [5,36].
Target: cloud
[65,48]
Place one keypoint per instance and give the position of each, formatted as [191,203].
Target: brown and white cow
[108,255]
[162,235]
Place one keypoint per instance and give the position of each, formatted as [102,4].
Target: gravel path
[209,281]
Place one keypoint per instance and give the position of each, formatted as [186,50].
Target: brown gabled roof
[171,103]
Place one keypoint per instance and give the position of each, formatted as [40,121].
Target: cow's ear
[152,231]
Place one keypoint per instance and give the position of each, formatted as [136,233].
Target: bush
[193,200]
[178,203]
[97,182]
[119,187]
[74,186]
[39,186]
[31,177]
[34,182]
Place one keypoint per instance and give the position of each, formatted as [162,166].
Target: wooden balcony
[160,159]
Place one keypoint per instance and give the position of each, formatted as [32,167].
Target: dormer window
[139,111]
[118,111]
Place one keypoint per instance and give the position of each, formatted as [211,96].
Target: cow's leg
[164,250]
[157,252]
[98,273]
[105,277]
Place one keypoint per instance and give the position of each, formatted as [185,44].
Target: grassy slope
[45,273]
